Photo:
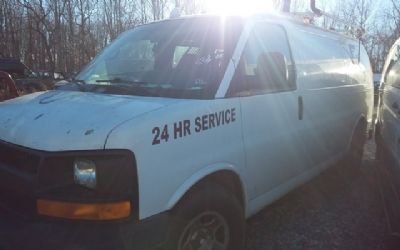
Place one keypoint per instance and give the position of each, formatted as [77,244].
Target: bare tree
[63,35]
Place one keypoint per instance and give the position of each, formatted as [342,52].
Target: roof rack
[309,17]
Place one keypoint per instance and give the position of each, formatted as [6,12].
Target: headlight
[85,173]
[88,183]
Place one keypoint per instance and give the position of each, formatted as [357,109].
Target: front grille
[21,204]
[19,158]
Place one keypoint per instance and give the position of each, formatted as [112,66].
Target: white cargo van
[181,129]
[388,140]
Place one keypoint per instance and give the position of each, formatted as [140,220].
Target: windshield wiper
[78,81]
[126,87]
[119,80]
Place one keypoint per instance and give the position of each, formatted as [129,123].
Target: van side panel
[336,91]
[335,94]
[204,136]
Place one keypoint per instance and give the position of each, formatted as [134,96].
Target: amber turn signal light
[81,211]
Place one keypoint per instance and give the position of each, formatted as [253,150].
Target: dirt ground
[336,210]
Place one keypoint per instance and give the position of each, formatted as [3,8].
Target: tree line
[64,35]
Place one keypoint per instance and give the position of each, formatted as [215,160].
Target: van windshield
[182,58]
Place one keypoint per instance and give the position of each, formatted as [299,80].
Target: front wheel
[208,218]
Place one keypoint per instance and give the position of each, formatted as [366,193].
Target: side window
[179,52]
[392,76]
[185,55]
[266,64]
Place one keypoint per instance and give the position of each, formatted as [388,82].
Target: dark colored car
[14,67]
[8,89]
[26,80]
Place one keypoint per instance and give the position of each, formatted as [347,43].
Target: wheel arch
[361,119]
[226,176]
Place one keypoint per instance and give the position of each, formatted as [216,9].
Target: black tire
[354,157]
[210,207]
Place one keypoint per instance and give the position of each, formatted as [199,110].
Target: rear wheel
[208,218]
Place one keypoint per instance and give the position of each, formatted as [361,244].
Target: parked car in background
[42,74]
[387,134]
[14,67]
[8,89]
[377,81]
[29,81]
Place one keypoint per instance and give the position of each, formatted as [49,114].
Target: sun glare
[241,7]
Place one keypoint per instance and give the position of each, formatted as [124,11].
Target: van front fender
[202,175]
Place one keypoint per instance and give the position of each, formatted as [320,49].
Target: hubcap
[207,231]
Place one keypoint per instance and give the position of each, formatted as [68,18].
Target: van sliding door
[265,82]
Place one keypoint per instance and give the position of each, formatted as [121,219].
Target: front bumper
[17,233]
[27,175]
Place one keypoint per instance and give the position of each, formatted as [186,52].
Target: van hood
[67,120]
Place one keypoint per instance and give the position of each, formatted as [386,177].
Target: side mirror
[272,70]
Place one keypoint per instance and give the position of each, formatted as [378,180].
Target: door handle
[300,107]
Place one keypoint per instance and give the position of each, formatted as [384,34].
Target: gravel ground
[336,210]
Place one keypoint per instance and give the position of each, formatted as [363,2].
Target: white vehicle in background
[387,136]
[377,80]
[181,129]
